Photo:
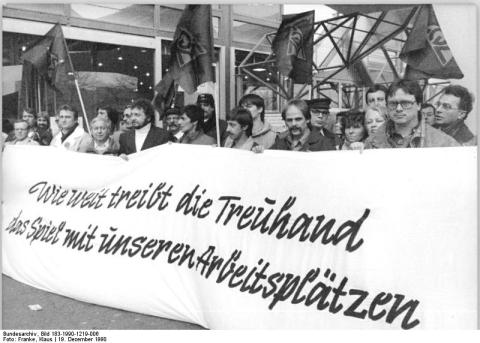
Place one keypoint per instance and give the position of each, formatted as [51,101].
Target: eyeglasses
[444,105]
[406,105]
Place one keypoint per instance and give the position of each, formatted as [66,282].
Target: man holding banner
[145,134]
[71,135]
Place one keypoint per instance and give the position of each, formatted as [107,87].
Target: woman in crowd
[43,129]
[191,124]
[374,117]
[353,129]
[100,143]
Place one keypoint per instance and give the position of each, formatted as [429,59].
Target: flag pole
[81,103]
[77,86]
[39,92]
[217,123]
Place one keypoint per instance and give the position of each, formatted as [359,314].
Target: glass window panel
[127,14]
[108,74]
[169,18]
[250,33]
[262,11]
[43,8]
[245,84]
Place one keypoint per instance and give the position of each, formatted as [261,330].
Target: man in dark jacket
[452,109]
[320,111]
[299,136]
[144,134]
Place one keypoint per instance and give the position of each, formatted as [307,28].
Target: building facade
[120,52]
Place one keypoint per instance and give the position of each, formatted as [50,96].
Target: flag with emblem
[293,46]
[49,57]
[165,91]
[191,55]
[426,51]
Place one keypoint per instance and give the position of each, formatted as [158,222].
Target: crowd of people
[395,117]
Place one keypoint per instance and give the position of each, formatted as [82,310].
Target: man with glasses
[320,112]
[405,127]
[452,109]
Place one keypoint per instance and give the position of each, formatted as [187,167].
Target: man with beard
[207,103]
[452,109]
[172,117]
[30,117]
[144,134]
[299,136]
[71,135]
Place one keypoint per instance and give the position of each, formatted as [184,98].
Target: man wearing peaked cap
[319,109]
[207,103]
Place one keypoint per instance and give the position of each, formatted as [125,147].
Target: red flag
[49,56]
[426,51]
[293,46]
[192,48]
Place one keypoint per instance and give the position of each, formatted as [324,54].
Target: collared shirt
[178,136]
[423,136]
[247,145]
[416,138]
[299,144]
[26,141]
[141,135]
[64,136]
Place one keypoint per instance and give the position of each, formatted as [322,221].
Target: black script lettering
[136,198]
[17,226]
[354,228]
[45,232]
[46,193]
[380,299]
[351,310]
[197,209]
[282,219]
[272,283]
[75,240]
[310,277]
[87,199]
[397,310]
[226,198]
[338,292]
[204,259]
[233,257]
[237,273]
[286,290]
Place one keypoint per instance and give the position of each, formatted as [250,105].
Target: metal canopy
[357,48]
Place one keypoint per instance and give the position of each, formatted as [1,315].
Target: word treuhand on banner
[232,239]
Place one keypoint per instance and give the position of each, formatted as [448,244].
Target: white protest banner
[231,239]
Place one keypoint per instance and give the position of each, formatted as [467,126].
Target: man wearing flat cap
[172,116]
[207,103]
[320,111]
